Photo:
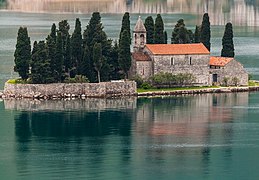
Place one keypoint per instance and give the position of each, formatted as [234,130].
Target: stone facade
[233,72]
[60,90]
[148,60]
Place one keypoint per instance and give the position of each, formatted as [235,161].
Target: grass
[253,83]
[140,90]
[17,81]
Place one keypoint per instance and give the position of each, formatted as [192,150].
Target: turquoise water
[190,137]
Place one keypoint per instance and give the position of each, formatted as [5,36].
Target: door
[215,77]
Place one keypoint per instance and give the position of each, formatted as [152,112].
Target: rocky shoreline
[82,91]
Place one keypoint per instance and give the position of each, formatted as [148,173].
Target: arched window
[135,39]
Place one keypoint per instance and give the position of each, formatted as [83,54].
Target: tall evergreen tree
[197,34]
[70,68]
[125,24]
[227,42]
[205,31]
[94,34]
[112,61]
[180,34]
[57,64]
[165,36]
[22,54]
[51,50]
[76,46]
[98,59]
[124,53]
[159,30]
[86,64]
[150,28]
[53,32]
[64,30]
[40,66]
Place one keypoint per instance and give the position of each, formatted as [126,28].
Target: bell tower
[139,36]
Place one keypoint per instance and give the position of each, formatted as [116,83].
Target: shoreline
[65,95]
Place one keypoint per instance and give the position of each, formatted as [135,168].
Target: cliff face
[60,90]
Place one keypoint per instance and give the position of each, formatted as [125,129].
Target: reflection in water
[159,132]
[241,12]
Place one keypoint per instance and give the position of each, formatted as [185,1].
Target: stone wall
[231,70]
[61,90]
[198,65]
[89,104]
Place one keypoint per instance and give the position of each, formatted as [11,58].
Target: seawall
[64,90]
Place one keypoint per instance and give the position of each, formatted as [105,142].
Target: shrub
[235,81]
[138,80]
[146,85]
[77,79]
[168,79]
[225,81]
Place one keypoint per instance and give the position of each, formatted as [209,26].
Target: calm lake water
[190,137]
[212,136]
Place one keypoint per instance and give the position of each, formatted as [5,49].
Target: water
[190,137]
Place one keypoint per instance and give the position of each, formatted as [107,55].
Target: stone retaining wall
[63,90]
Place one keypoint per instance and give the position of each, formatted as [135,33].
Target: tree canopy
[205,31]
[227,42]
[159,30]
[150,27]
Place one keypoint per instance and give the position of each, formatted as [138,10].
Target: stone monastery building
[151,59]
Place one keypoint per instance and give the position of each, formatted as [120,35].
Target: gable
[178,49]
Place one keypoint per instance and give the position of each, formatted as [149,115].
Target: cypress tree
[125,24]
[197,34]
[22,54]
[98,59]
[159,30]
[180,34]
[70,69]
[227,42]
[76,46]
[53,32]
[57,64]
[205,31]
[86,64]
[124,53]
[40,66]
[51,50]
[94,34]
[165,36]
[113,62]
[150,27]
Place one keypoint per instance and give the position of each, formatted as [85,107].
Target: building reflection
[242,12]
[173,129]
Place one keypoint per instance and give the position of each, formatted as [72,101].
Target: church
[195,59]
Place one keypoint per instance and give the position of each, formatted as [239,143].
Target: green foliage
[146,85]
[227,42]
[197,34]
[40,66]
[138,80]
[225,81]
[171,80]
[77,79]
[126,25]
[53,33]
[76,46]
[165,37]
[150,28]
[58,61]
[94,34]
[159,30]
[205,31]
[17,81]
[235,81]
[180,34]
[115,71]
[98,59]
[22,54]
[69,66]
[124,53]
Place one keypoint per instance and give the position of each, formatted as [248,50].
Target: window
[190,59]
[143,71]
[172,61]
[142,38]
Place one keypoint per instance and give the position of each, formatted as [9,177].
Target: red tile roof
[139,56]
[177,49]
[219,61]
